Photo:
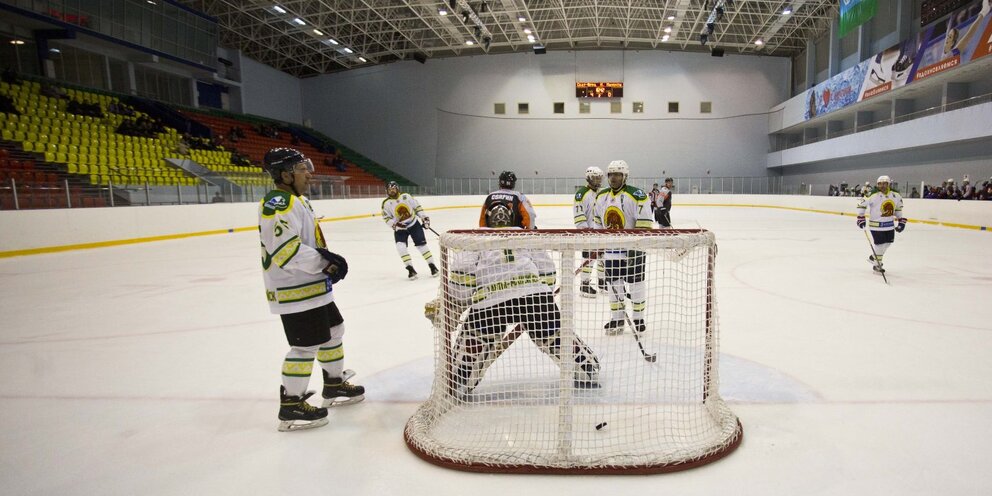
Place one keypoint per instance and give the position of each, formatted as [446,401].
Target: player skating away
[404,215]
[585,218]
[507,288]
[663,204]
[884,207]
[299,274]
[520,207]
[624,207]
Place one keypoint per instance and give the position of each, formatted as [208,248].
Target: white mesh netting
[528,363]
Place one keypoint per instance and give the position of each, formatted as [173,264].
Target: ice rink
[154,368]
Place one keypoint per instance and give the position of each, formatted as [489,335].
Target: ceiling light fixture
[362,59]
[668,29]
[16,42]
[348,50]
[442,11]
[470,42]
[664,38]
[759,42]
[278,9]
[671,18]
[787,11]
[527,31]
[522,19]
[299,21]
[318,32]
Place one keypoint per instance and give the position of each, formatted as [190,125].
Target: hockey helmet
[507,180]
[618,166]
[594,172]
[499,215]
[669,180]
[883,179]
[392,189]
[279,160]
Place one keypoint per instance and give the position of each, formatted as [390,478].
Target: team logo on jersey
[402,212]
[276,203]
[614,218]
[888,208]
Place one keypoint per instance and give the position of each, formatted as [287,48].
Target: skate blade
[614,332]
[587,295]
[342,401]
[290,425]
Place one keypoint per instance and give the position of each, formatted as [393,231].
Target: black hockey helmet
[507,180]
[278,160]
[389,188]
[669,180]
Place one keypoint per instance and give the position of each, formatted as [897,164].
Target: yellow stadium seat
[61,157]
[49,157]
[73,169]
[8,135]
[28,146]
[84,169]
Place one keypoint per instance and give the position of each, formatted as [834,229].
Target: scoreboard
[599,90]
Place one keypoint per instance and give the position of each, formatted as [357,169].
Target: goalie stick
[874,256]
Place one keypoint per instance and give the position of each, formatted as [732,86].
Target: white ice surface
[154,368]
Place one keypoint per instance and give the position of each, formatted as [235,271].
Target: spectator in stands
[967,190]
[183,147]
[986,192]
[232,134]
[914,193]
[9,76]
[218,198]
[53,91]
[7,105]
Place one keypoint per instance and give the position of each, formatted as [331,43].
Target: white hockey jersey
[584,211]
[485,278]
[884,210]
[403,211]
[292,268]
[627,208]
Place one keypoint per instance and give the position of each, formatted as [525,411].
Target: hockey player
[299,274]
[403,214]
[503,288]
[623,207]
[653,197]
[520,207]
[663,205]
[885,218]
[585,218]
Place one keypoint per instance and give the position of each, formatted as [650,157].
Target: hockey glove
[337,269]
[901,226]
[427,222]
[432,310]
[861,222]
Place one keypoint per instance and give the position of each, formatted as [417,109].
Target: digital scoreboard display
[599,90]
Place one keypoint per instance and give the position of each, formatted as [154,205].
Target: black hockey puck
[600,426]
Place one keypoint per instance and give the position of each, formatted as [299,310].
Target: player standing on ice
[663,205]
[501,288]
[885,218]
[624,207]
[585,218]
[403,214]
[520,207]
[299,274]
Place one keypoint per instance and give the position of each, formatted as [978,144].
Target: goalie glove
[432,310]
[861,222]
[901,226]
[337,268]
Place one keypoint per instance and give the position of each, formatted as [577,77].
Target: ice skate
[586,290]
[614,328]
[340,392]
[296,414]
[878,269]
[434,271]
[639,326]
[410,273]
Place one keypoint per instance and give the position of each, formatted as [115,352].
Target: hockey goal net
[535,374]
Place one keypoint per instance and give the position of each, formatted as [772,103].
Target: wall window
[583,107]
[523,108]
[559,107]
[673,107]
[499,108]
[638,108]
[616,107]
[705,107]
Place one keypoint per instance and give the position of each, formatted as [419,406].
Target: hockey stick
[875,257]
[431,229]
[650,357]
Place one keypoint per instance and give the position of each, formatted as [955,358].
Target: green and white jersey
[291,267]
[584,210]
[627,208]
[884,210]
[403,210]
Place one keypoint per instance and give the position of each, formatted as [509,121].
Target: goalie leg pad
[473,355]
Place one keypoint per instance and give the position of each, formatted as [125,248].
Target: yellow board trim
[167,237]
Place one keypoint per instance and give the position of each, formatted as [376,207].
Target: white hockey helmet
[883,179]
[618,166]
[594,172]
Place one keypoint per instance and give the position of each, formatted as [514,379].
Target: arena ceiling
[309,37]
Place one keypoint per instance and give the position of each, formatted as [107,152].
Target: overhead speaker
[540,50]
[419,57]
[716,52]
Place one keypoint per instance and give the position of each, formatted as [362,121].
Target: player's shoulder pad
[636,192]
[405,196]
[602,192]
[581,193]
[276,201]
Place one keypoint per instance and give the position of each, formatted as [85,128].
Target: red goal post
[514,391]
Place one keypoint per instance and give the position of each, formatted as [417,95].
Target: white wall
[270,93]
[437,119]
[39,229]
